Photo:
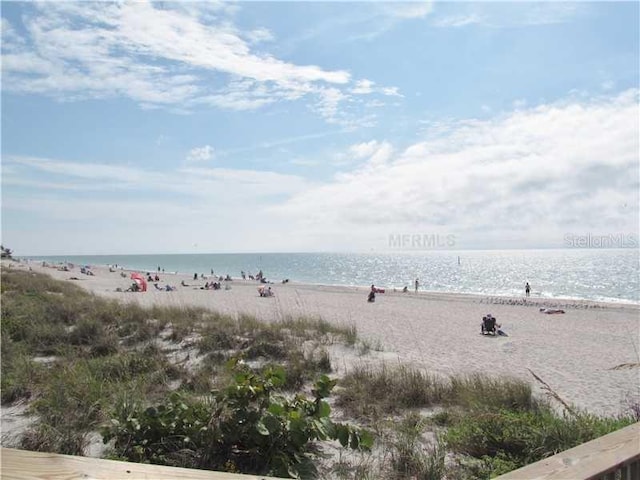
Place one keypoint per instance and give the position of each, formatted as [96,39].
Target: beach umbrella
[139,279]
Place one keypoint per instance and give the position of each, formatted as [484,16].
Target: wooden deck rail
[615,456]
[25,465]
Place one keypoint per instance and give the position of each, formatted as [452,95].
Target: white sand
[574,353]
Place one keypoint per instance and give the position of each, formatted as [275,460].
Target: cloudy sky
[139,127]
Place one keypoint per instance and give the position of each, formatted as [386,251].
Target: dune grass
[491,425]
[390,389]
[75,356]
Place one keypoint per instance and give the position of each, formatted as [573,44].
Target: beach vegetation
[360,467]
[411,455]
[246,427]
[387,390]
[490,425]
[390,389]
[493,442]
[81,362]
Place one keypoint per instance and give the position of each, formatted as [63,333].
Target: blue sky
[191,127]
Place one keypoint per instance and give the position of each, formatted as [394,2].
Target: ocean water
[592,274]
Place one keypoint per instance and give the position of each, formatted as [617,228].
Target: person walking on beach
[372,294]
[417,285]
[527,289]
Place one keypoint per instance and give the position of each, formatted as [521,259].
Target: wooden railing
[24,465]
[615,456]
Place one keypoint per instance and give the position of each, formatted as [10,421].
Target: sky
[206,127]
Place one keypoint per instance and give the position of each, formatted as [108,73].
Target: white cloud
[391,91]
[506,14]
[176,56]
[363,87]
[376,153]
[534,173]
[189,180]
[259,35]
[169,206]
[458,20]
[82,171]
[327,105]
[200,154]
[367,87]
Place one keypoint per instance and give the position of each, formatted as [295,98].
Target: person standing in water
[417,285]
[527,289]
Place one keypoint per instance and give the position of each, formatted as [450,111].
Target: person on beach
[405,289]
[372,294]
[489,325]
[527,289]
[551,311]
[265,292]
[417,285]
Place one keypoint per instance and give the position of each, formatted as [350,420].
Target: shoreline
[496,297]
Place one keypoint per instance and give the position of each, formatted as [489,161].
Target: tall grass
[411,456]
[102,351]
[506,439]
[390,389]
[494,425]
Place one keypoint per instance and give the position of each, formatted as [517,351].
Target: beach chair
[488,326]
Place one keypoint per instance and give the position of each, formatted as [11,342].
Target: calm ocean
[593,274]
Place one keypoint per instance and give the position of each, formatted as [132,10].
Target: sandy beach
[581,354]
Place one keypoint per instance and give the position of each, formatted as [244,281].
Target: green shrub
[244,428]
